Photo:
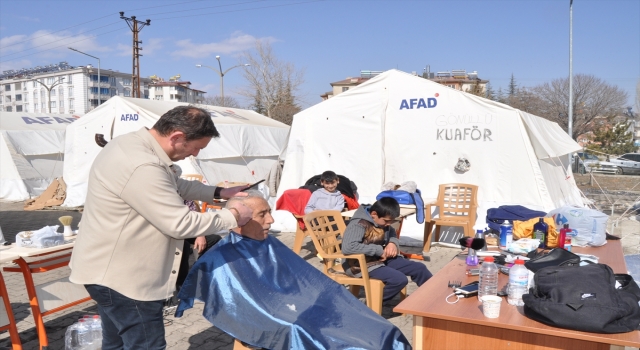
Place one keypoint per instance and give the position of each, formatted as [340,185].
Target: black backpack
[584,298]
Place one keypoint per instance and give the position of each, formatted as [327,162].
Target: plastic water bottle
[84,335]
[96,331]
[488,278]
[71,337]
[518,283]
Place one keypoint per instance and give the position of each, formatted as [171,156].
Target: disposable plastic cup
[491,306]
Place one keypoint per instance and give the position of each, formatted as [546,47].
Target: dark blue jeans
[126,323]
[394,275]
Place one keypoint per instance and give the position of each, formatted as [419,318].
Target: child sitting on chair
[328,197]
[370,233]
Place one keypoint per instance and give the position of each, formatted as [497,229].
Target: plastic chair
[457,205]
[294,201]
[324,227]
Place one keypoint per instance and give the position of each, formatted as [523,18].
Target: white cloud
[28,19]
[12,43]
[237,42]
[210,89]
[15,65]
[57,44]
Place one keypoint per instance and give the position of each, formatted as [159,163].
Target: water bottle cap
[86,316]
[96,317]
[519,262]
[488,259]
[566,226]
[81,320]
[479,231]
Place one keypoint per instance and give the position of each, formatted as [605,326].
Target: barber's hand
[242,213]
[227,193]
[200,244]
[390,251]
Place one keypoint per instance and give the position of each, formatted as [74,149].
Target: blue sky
[332,40]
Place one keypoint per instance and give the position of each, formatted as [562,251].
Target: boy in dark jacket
[370,233]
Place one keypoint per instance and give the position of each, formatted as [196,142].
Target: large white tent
[399,127]
[248,147]
[31,152]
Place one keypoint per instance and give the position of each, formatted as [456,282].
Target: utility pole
[135,26]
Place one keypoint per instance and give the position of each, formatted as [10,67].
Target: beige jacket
[134,220]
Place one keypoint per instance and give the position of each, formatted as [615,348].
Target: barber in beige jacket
[130,242]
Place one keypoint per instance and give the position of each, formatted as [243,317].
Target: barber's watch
[216,193]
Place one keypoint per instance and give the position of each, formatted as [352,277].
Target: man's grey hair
[236,200]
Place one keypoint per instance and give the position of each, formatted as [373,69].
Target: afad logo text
[418,103]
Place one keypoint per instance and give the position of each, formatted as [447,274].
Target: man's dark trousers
[126,323]
[394,275]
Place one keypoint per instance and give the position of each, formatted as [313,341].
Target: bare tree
[217,101]
[592,97]
[272,82]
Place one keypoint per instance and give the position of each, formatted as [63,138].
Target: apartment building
[174,90]
[455,79]
[63,88]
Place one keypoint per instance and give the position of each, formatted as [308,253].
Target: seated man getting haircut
[260,292]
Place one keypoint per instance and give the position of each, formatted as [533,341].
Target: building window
[7,87]
[53,104]
[18,108]
[104,91]
[61,103]
[8,109]
[35,106]
[42,94]
[18,87]
[18,97]
[7,98]
[158,88]
[35,95]
[345,88]
[61,91]
[26,98]
[126,81]
[70,91]
[50,80]
[70,104]
[113,92]
[44,105]
[69,79]
[35,85]
[127,92]
[112,81]
[53,92]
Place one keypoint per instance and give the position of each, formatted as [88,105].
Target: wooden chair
[324,227]
[457,205]
[192,177]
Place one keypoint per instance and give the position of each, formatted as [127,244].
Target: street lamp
[221,73]
[99,92]
[49,88]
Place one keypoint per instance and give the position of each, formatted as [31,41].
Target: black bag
[555,257]
[584,298]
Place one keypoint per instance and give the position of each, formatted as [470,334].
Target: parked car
[628,163]
[591,163]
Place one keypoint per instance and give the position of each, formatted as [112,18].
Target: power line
[99,18]
[201,8]
[253,8]
[49,43]
[65,45]
[196,15]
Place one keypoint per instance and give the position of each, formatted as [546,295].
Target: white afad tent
[399,127]
[31,152]
[246,151]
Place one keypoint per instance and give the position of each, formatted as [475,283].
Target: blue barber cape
[264,294]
